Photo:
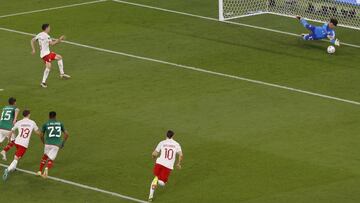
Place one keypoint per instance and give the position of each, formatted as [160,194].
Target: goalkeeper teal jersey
[53,131]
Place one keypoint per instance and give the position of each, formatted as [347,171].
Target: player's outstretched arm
[57,41]
[32,43]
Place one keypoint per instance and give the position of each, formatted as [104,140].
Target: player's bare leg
[61,67]
[11,168]
[46,74]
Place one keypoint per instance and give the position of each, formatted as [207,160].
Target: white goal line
[198,69]
[82,186]
[215,19]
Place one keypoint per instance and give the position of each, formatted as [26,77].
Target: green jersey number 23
[54,131]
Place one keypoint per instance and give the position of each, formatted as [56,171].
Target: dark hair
[12,100]
[170,134]
[44,26]
[334,21]
[52,114]
[26,112]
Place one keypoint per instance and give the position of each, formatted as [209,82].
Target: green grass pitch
[243,142]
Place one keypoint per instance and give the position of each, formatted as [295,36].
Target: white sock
[152,190]
[61,66]
[13,165]
[46,74]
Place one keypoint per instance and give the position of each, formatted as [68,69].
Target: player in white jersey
[165,154]
[25,127]
[47,56]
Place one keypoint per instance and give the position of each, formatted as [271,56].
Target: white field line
[53,8]
[1,90]
[215,19]
[198,69]
[171,11]
[82,186]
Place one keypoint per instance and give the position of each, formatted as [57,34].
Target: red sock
[9,146]
[43,162]
[50,164]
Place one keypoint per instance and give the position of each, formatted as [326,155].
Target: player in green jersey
[8,118]
[51,135]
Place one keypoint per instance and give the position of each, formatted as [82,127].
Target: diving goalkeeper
[320,32]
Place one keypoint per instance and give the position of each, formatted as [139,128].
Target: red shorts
[162,172]
[50,57]
[20,151]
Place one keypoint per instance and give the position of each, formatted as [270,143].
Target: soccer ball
[331,49]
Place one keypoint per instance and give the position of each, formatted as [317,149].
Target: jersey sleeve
[331,35]
[36,128]
[178,149]
[37,37]
[158,147]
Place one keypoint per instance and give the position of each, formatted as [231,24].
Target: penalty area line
[224,75]
[202,70]
[82,186]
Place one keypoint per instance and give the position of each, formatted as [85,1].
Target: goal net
[346,11]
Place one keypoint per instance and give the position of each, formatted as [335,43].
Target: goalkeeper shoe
[337,42]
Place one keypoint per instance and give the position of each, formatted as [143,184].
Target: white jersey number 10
[169,154]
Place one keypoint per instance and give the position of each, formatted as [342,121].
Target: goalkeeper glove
[337,42]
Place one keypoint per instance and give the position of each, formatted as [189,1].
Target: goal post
[346,11]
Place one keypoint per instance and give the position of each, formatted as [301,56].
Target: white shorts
[51,151]
[3,134]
